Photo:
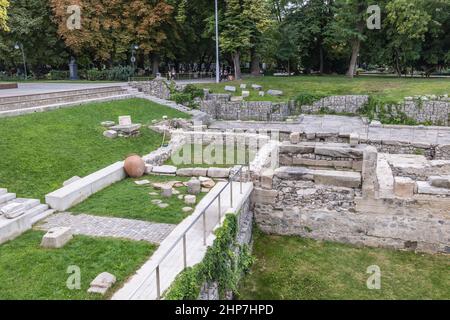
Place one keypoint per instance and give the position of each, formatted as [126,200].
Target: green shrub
[307,99]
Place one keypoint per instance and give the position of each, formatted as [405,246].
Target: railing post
[220,207]
[204,227]
[240,179]
[231,193]
[158,284]
[184,251]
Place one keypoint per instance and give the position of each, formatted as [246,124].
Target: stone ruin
[345,191]
[125,128]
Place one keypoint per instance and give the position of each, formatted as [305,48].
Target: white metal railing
[182,238]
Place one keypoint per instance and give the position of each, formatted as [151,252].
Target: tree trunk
[289,68]
[321,59]
[237,66]
[356,44]
[255,60]
[155,64]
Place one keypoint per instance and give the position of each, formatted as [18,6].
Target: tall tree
[4,4]
[348,27]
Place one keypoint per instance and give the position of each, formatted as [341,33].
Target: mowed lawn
[296,268]
[40,151]
[387,89]
[126,199]
[28,271]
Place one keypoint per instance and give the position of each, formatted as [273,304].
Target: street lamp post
[134,47]
[18,46]
[217,43]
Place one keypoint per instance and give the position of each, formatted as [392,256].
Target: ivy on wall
[224,262]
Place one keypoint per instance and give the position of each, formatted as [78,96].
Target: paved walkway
[109,227]
[47,87]
[342,124]
[142,286]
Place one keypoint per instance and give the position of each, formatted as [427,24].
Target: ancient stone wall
[339,104]
[157,88]
[246,110]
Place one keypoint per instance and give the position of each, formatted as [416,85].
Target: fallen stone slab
[187,209]
[142,182]
[199,172]
[56,237]
[164,170]
[275,93]
[107,124]
[102,283]
[110,134]
[245,93]
[208,183]
[218,172]
[13,210]
[261,93]
[168,184]
[423,187]
[185,172]
[127,129]
[256,87]
[190,199]
[440,181]
[243,86]
[230,88]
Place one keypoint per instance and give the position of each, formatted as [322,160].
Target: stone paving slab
[343,124]
[97,226]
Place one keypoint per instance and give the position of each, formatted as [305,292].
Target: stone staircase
[30,211]
[17,105]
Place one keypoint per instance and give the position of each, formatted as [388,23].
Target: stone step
[346,179]
[7,197]
[3,191]
[6,106]
[36,212]
[42,216]
[424,187]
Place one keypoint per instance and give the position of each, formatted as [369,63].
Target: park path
[143,285]
[97,226]
[346,125]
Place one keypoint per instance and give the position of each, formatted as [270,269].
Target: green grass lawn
[205,156]
[126,199]
[385,88]
[296,268]
[41,150]
[28,271]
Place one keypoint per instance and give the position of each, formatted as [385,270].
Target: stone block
[71,180]
[262,196]
[256,87]
[166,192]
[56,237]
[107,124]
[194,186]
[294,173]
[294,137]
[164,170]
[199,172]
[218,172]
[275,93]
[243,86]
[339,152]
[185,172]
[440,181]
[102,283]
[297,149]
[354,139]
[261,93]
[148,168]
[125,120]
[110,134]
[404,187]
[230,88]
[190,199]
[423,187]
[267,178]
[245,93]
[346,179]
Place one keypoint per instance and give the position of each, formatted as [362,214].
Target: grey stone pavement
[342,124]
[97,226]
[47,87]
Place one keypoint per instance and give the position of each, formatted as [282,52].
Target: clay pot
[134,166]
